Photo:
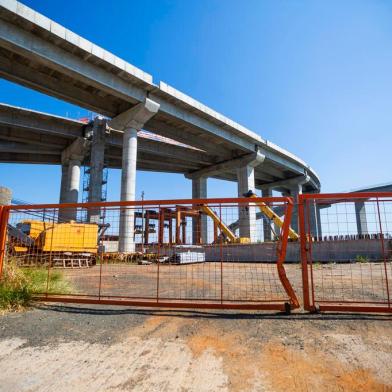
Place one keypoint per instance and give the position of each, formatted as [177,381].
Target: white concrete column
[199,191]
[71,159]
[267,192]
[246,212]
[72,189]
[315,223]
[361,219]
[130,122]
[319,227]
[295,191]
[64,182]
[73,180]
[128,190]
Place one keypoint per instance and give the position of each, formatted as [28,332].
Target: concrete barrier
[324,252]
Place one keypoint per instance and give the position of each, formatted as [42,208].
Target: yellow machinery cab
[61,237]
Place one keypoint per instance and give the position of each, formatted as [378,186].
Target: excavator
[229,235]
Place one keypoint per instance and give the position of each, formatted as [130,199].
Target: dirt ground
[87,348]
[234,281]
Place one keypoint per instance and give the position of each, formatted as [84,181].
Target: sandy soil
[86,348]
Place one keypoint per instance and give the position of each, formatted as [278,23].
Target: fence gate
[346,251]
[212,253]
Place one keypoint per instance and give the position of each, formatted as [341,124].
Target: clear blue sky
[312,76]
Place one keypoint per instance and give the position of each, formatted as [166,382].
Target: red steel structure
[348,265]
[181,260]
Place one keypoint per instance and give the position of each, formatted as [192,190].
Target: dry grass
[18,285]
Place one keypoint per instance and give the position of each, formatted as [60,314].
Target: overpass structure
[38,53]
[360,206]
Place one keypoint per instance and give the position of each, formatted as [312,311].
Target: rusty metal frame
[4,214]
[280,305]
[309,301]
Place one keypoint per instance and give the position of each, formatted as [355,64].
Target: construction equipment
[270,214]
[227,233]
[66,245]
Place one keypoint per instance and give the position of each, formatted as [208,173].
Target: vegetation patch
[18,285]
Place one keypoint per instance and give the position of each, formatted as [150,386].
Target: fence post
[4,214]
[282,255]
[383,253]
[304,255]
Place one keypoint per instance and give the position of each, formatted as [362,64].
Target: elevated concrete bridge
[28,136]
[39,53]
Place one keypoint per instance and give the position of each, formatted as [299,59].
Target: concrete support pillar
[71,159]
[63,191]
[72,189]
[199,191]
[315,223]
[247,212]
[128,190]
[97,162]
[64,182]
[130,122]
[360,215]
[295,191]
[266,222]
[73,180]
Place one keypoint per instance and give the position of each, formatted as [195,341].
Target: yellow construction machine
[38,243]
[229,235]
[270,214]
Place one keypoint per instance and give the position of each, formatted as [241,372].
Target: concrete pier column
[199,191]
[130,122]
[64,182]
[246,212]
[72,188]
[315,222]
[73,180]
[97,163]
[71,159]
[69,192]
[63,191]
[128,190]
[319,226]
[267,224]
[295,191]
[361,219]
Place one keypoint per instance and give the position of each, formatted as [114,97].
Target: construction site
[202,281]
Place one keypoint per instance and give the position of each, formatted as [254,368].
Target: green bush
[18,285]
[361,259]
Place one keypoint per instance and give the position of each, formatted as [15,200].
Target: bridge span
[39,53]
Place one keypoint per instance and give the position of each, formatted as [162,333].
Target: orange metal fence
[212,253]
[346,251]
